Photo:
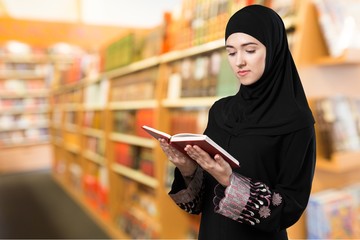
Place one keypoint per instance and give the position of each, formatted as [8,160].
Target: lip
[243,72]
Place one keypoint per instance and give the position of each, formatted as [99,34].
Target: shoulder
[222,102]
[219,106]
[303,135]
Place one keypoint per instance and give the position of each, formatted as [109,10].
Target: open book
[179,141]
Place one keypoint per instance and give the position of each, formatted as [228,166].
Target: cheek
[261,65]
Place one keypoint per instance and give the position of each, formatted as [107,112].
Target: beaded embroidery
[276,199]
[264,212]
[245,201]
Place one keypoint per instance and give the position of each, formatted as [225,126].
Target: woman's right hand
[186,165]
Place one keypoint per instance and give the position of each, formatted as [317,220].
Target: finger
[219,159]
[201,154]
[200,151]
[192,152]
[167,150]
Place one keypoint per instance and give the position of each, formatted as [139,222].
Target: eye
[251,51]
[231,53]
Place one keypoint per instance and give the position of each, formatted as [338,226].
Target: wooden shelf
[25,143]
[24,58]
[350,56]
[133,140]
[135,175]
[22,74]
[340,162]
[30,126]
[56,125]
[93,107]
[96,158]
[71,127]
[93,132]
[25,94]
[133,67]
[126,105]
[72,107]
[72,148]
[68,87]
[189,102]
[21,110]
[181,54]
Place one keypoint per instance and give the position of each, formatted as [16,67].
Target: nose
[240,61]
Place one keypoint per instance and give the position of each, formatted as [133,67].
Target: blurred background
[78,79]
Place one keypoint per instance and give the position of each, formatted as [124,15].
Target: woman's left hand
[216,166]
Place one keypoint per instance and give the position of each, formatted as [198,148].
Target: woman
[267,126]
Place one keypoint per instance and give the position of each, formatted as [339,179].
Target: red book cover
[143,117]
[123,154]
[179,141]
[147,167]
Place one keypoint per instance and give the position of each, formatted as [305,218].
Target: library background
[73,97]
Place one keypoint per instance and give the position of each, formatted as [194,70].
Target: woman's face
[246,56]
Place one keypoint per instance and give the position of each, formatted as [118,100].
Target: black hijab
[276,103]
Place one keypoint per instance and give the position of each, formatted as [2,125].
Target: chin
[246,83]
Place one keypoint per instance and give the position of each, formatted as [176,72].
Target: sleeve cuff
[245,200]
[191,192]
[232,200]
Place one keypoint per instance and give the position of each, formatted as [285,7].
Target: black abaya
[269,128]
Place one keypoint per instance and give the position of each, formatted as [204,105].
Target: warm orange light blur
[43,34]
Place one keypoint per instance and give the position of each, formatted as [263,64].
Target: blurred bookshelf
[101,154]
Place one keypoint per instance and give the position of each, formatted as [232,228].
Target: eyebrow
[242,45]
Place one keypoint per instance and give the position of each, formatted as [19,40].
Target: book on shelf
[143,117]
[337,120]
[180,140]
[123,154]
[354,191]
[124,121]
[331,215]
[339,24]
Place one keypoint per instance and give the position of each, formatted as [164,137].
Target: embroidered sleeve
[245,201]
[190,198]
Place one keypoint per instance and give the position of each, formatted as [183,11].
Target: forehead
[239,38]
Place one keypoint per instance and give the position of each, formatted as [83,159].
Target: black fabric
[285,163]
[276,103]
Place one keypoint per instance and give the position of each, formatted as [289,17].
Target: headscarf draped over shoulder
[276,103]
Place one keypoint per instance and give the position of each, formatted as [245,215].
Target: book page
[156,133]
[188,135]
